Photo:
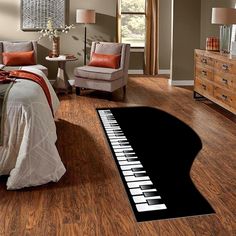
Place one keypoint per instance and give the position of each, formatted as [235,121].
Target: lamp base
[225,38]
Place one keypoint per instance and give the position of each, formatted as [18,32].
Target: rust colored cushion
[18,58]
[105,60]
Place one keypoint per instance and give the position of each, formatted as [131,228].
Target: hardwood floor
[90,198]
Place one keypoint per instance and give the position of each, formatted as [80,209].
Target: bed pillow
[18,58]
[105,60]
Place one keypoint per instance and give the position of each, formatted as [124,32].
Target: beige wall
[164,34]
[208,29]
[104,29]
[185,37]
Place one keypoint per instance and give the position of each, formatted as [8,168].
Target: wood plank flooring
[90,198]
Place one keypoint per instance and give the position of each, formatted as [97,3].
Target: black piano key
[154,201]
[130,155]
[144,187]
[127,151]
[131,159]
[137,169]
[123,141]
[150,194]
[140,174]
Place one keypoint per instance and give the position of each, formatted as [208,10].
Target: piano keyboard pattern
[144,193]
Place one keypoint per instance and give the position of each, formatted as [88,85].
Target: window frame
[119,31]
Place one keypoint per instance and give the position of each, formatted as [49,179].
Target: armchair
[102,78]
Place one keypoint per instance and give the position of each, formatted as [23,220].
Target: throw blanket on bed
[5,86]
[22,74]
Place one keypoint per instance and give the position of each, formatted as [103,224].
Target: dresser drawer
[204,73]
[203,60]
[203,87]
[225,67]
[225,96]
[225,80]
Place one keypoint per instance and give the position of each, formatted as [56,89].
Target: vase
[55,46]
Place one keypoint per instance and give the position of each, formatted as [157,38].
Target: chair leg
[124,89]
[77,91]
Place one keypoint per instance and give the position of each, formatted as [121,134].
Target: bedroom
[90,198]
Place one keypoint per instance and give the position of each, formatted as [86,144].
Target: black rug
[154,152]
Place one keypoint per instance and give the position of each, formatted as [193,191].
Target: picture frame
[35,14]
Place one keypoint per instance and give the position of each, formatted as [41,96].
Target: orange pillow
[105,60]
[18,58]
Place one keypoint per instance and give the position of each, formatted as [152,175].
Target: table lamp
[225,17]
[85,16]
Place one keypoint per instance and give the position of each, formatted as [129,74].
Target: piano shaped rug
[154,152]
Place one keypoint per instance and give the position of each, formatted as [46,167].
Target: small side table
[61,84]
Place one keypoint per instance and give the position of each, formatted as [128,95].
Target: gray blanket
[4,90]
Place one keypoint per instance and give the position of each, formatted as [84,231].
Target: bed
[28,154]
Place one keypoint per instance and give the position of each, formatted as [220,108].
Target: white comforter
[29,154]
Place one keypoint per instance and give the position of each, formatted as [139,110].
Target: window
[132,22]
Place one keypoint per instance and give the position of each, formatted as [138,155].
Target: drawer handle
[224,96]
[225,67]
[204,60]
[225,81]
[203,86]
[204,73]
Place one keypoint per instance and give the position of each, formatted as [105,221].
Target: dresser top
[216,55]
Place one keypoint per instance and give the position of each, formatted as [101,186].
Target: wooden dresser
[215,78]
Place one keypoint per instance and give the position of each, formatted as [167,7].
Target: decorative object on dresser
[212,44]
[85,16]
[62,84]
[225,17]
[215,78]
[104,75]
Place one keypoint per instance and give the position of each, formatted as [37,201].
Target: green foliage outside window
[133,25]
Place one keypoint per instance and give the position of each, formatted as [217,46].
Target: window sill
[136,49]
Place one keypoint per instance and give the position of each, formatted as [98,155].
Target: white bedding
[29,153]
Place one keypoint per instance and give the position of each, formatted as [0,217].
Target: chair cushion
[108,48]
[39,67]
[98,73]
[18,58]
[105,60]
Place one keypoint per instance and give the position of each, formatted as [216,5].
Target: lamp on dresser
[225,17]
[85,16]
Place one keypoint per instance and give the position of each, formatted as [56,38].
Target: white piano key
[129,167]
[140,199]
[119,143]
[121,146]
[123,158]
[134,178]
[122,163]
[121,154]
[138,183]
[130,172]
[122,149]
[139,191]
[118,139]
[141,207]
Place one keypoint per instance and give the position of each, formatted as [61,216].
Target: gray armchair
[24,46]
[100,78]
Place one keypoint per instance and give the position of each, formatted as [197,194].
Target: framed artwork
[35,14]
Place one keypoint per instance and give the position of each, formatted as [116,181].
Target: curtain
[151,47]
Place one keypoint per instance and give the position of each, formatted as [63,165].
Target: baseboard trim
[181,82]
[164,72]
[135,72]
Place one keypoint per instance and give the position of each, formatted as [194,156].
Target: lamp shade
[85,16]
[223,16]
